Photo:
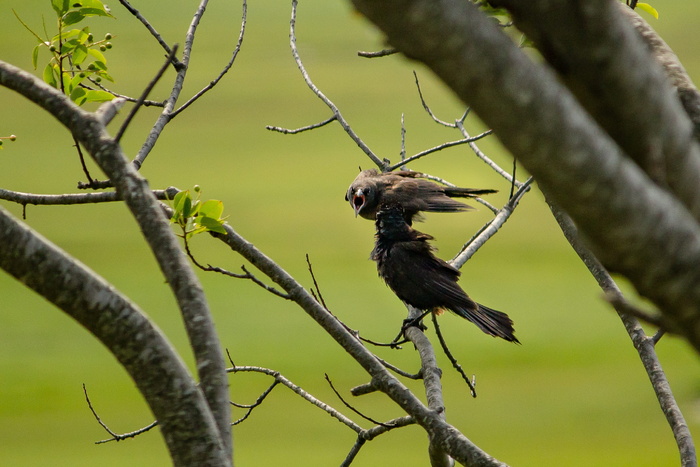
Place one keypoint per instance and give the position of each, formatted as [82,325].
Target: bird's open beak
[358,200]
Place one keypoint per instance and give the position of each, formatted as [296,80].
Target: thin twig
[258,401]
[246,274]
[380,53]
[145,93]
[491,227]
[226,68]
[336,112]
[369,419]
[471,383]
[148,25]
[288,131]
[427,108]
[437,148]
[115,436]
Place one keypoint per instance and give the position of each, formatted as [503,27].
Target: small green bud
[108,45]
[103,48]
[197,188]
[0,142]
[13,137]
[52,48]
[91,37]
[108,36]
[97,79]
[82,74]
[91,66]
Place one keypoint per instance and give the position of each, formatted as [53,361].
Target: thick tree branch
[161,376]
[90,132]
[635,227]
[591,42]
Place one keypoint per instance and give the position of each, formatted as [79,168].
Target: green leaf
[60,7]
[76,81]
[78,95]
[212,208]
[95,5]
[49,76]
[94,95]
[215,225]
[35,55]
[100,59]
[94,12]
[73,17]
[649,9]
[79,54]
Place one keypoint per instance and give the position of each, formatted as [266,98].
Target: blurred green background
[573,394]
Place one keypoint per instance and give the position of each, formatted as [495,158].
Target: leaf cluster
[76,57]
[195,216]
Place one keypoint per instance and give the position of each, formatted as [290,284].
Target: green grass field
[574,394]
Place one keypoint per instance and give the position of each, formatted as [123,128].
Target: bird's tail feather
[456,192]
[492,322]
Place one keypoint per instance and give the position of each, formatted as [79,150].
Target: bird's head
[360,198]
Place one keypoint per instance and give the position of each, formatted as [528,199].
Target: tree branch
[643,344]
[90,132]
[161,376]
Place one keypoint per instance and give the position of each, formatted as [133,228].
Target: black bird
[372,189]
[406,262]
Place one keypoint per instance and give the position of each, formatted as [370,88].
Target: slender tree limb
[643,344]
[490,229]
[147,24]
[76,198]
[334,109]
[146,210]
[147,90]
[433,388]
[226,68]
[294,131]
[161,376]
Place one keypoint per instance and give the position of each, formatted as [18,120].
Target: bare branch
[148,25]
[115,436]
[287,131]
[76,198]
[381,53]
[470,382]
[490,229]
[336,112]
[643,344]
[147,90]
[227,67]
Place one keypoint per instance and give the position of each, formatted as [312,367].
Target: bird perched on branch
[406,262]
[372,189]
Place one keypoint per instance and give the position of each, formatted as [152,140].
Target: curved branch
[90,132]
[160,374]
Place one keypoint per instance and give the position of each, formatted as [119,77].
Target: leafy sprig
[195,216]
[76,57]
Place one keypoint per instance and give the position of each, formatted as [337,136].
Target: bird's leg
[407,323]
